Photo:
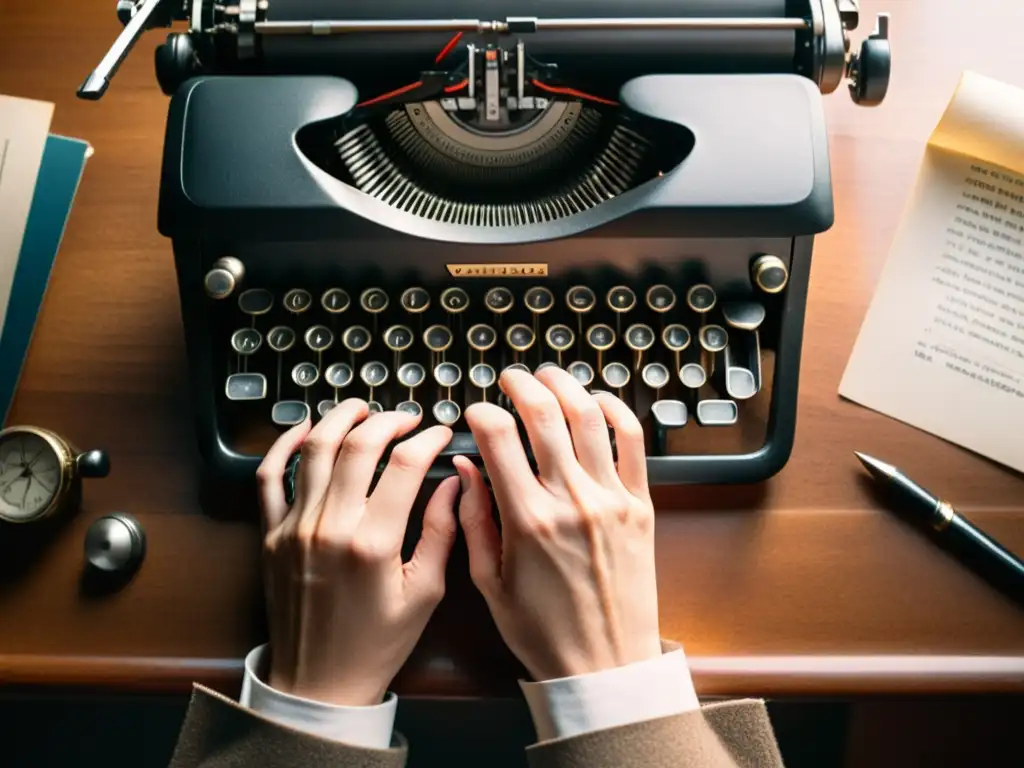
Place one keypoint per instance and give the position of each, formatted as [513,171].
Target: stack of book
[39,176]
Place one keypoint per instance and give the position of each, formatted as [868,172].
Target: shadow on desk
[140,732]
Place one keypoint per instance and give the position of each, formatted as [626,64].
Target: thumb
[482,539]
[425,569]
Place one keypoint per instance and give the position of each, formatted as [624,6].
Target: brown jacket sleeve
[735,734]
[218,733]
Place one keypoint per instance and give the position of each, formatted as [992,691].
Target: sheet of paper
[24,126]
[942,345]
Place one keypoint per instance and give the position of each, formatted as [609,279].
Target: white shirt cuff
[646,690]
[369,727]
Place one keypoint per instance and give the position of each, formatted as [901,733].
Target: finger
[545,426]
[360,455]
[482,539]
[425,570]
[629,443]
[497,438]
[320,452]
[270,475]
[586,423]
[396,491]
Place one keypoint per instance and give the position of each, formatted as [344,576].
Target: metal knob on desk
[224,277]
[115,544]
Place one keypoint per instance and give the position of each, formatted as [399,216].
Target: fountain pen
[997,565]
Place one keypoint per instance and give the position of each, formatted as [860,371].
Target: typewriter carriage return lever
[397,206]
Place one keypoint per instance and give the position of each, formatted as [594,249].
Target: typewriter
[399,200]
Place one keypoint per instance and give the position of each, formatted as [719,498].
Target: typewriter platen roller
[399,204]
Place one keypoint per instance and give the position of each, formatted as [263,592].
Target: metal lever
[143,18]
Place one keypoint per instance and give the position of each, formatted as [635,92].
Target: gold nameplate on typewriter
[498,270]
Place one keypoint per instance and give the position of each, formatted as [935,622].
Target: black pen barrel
[991,561]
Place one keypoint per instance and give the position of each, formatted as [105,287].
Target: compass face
[30,476]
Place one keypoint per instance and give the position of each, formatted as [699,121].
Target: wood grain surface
[802,585]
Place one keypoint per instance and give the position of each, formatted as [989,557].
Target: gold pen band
[944,514]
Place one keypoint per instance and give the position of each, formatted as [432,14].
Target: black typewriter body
[650,233]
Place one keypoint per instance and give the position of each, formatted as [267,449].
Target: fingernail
[463,478]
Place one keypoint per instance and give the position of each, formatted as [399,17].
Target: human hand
[344,611]
[570,581]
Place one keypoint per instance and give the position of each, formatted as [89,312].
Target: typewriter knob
[175,62]
[224,276]
[869,70]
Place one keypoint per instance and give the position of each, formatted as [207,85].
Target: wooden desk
[801,586]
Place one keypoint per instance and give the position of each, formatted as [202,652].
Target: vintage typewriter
[399,200]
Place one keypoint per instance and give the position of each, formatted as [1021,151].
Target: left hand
[344,611]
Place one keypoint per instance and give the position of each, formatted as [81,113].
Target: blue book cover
[56,185]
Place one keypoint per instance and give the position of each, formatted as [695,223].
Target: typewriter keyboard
[683,357]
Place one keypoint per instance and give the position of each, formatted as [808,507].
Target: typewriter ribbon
[401,203]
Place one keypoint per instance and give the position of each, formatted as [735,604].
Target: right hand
[570,581]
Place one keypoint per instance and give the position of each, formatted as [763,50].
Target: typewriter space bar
[461,444]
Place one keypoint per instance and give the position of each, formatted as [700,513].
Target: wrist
[345,693]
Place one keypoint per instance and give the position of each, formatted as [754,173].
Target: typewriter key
[692,376]
[746,315]
[224,276]
[246,341]
[437,338]
[297,301]
[415,300]
[655,375]
[447,412]
[288,413]
[667,415]
[398,338]
[411,407]
[447,374]
[539,299]
[560,337]
[374,300]
[246,386]
[675,337]
[481,337]
[255,301]
[660,298]
[621,299]
[546,364]
[356,339]
[373,374]
[713,338]
[616,376]
[482,375]
[305,374]
[717,413]
[318,338]
[411,375]
[769,273]
[281,338]
[582,372]
[335,301]
[639,337]
[600,337]
[516,367]
[580,299]
[520,337]
[373,406]
[701,298]
[454,300]
[324,407]
[338,375]
[499,300]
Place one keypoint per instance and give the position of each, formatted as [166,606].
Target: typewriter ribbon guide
[399,204]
